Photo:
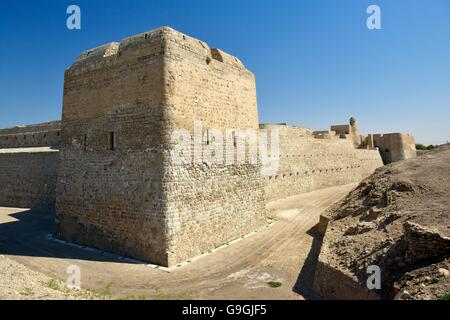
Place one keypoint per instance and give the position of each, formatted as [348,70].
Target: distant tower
[352,121]
[356,138]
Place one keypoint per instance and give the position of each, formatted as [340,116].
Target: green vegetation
[141,296]
[159,295]
[184,296]
[28,292]
[446,296]
[274,284]
[420,146]
[52,284]
[105,292]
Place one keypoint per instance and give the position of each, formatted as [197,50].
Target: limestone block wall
[212,204]
[421,243]
[37,135]
[28,178]
[38,127]
[395,146]
[109,189]
[308,163]
[118,188]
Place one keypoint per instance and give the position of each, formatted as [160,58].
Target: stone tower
[395,146]
[118,188]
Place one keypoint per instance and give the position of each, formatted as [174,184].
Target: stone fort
[105,169]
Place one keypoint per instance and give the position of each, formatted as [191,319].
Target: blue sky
[315,61]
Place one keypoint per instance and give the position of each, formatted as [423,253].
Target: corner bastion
[118,188]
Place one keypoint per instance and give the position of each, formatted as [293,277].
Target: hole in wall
[85,142]
[111,141]
[216,55]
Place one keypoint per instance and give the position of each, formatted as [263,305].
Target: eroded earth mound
[397,219]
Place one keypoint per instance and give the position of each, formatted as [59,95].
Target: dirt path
[281,254]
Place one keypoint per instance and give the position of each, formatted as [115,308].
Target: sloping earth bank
[399,220]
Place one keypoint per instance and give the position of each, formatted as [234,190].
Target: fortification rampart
[37,135]
[28,165]
[394,146]
[308,162]
[38,127]
[28,177]
[117,187]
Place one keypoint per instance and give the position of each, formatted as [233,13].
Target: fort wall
[109,192]
[38,127]
[308,163]
[117,187]
[395,146]
[28,178]
[208,204]
[28,165]
[38,135]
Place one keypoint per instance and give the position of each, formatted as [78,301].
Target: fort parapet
[37,135]
[314,160]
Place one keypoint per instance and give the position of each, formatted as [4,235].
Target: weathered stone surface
[118,188]
[308,163]
[394,146]
[28,177]
[38,135]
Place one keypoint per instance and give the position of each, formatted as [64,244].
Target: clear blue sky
[315,61]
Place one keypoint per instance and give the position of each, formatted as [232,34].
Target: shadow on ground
[305,280]
[26,233]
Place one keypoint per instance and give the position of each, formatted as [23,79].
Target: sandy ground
[20,283]
[281,254]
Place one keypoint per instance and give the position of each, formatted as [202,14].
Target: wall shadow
[305,279]
[26,233]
